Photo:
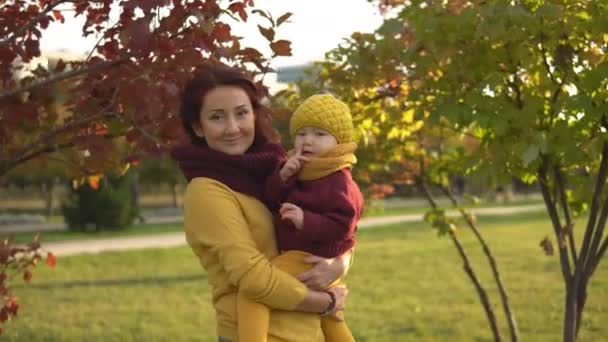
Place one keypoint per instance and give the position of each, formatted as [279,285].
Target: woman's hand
[341,292]
[325,270]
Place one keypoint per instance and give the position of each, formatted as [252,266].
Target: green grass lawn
[406,285]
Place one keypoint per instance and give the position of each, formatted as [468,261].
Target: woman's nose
[232,126]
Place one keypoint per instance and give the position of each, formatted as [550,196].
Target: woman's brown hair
[211,76]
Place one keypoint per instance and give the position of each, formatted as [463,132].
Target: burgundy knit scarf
[244,173]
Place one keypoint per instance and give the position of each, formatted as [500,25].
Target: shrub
[110,205]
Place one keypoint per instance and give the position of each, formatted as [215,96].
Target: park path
[177,239]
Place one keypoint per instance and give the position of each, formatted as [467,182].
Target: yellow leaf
[408,116]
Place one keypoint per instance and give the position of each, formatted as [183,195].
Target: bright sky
[316,27]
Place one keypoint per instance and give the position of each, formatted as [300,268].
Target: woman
[227,224]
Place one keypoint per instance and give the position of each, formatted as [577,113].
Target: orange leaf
[94,181]
[281,47]
[50,259]
[58,16]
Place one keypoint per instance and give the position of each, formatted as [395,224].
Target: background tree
[528,79]
[161,170]
[44,175]
[127,87]
[121,100]
[395,147]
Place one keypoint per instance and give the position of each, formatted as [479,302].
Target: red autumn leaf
[3,315]
[283,18]
[268,33]
[33,10]
[12,306]
[27,276]
[239,8]
[50,259]
[221,32]
[58,16]
[44,22]
[137,34]
[281,47]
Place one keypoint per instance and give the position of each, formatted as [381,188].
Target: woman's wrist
[332,303]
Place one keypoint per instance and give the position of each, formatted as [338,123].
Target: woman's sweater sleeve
[214,220]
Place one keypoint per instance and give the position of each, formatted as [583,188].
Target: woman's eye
[243,113]
[215,117]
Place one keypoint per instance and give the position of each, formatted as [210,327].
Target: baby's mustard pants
[253,317]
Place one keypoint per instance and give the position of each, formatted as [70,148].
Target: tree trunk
[580,305]
[47,191]
[175,196]
[570,314]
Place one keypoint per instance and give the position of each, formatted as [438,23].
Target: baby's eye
[321,134]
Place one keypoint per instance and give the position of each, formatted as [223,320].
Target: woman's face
[226,120]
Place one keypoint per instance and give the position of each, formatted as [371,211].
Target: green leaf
[530,154]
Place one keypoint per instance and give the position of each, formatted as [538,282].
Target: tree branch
[569,228]
[601,252]
[552,210]
[30,24]
[491,260]
[44,140]
[64,76]
[543,51]
[593,211]
[48,149]
[483,295]
[518,100]
[143,131]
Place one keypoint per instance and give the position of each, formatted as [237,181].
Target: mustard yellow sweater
[233,236]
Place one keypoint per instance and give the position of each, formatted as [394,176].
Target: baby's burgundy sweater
[332,206]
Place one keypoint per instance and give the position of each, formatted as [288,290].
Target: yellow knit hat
[325,112]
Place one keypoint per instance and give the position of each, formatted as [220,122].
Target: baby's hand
[292,166]
[293,213]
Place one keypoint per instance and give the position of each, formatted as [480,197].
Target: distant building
[284,76]
[48,60]
[291,74]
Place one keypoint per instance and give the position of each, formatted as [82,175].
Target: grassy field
[406,285]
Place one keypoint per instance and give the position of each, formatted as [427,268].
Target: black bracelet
[332,303]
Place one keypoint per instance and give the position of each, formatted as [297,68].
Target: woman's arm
[215,226]
[324,303]
[326,270]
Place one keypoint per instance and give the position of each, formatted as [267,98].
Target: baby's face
[312,141]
